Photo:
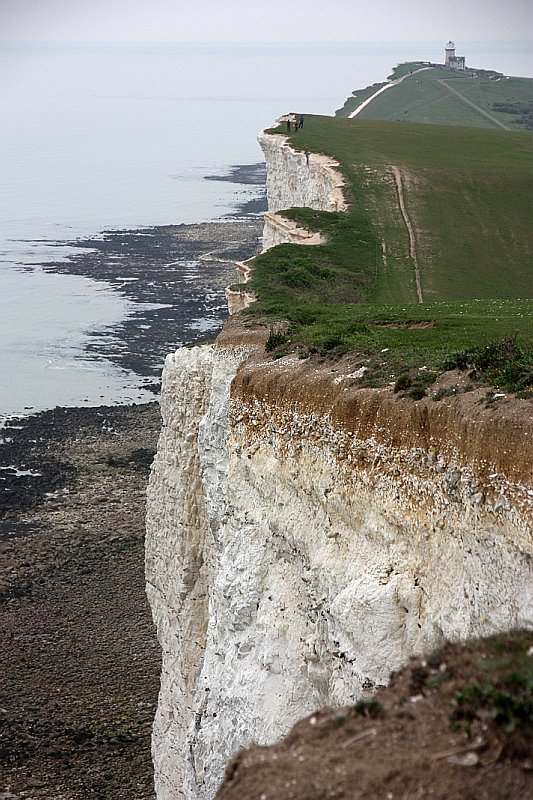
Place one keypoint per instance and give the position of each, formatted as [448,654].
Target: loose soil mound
[454,726]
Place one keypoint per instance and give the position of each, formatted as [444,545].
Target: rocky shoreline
[79,657]
[176,274]
[80,662]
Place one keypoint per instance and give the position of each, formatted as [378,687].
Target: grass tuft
[503,688]
[275,340]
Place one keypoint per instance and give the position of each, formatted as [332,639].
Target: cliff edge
[305,537]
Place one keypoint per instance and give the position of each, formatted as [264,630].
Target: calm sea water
[93,138]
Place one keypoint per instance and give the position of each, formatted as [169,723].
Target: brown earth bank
[456,725]
[79,659]
[455,419]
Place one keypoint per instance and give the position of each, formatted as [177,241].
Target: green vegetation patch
[358,96]
[521,112]
[426,95]
[468,195]
[503,687]
[503,363]
[408,345]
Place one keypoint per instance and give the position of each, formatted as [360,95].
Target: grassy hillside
[468,197]
[428,96]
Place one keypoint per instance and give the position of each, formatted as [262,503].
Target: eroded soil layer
[79,659]
[433,733]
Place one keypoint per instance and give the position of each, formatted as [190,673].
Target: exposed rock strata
[279,230]
[297,180]
[186,511]
[305,538]
[300,180]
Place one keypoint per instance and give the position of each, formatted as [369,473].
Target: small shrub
[404,382]
[332,342]
[504,364]
[371,708]
[415,393]
[275,340]
[414,385]
[442,392]
[509,711]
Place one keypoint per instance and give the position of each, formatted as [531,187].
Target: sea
[112,137]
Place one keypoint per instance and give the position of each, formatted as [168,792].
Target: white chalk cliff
[305,537]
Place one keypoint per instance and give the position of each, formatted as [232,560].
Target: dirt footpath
[79,659]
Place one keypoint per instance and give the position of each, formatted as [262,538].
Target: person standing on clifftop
[301,122]
[288,124]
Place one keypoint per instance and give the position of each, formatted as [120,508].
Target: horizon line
[255,42]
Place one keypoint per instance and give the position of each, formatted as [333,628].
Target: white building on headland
[452,61]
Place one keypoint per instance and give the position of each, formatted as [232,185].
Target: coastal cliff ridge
[307,532]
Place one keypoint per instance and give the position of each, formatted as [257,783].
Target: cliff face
[304,538]
[297,180]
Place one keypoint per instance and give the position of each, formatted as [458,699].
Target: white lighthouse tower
[450,54]
[451,60]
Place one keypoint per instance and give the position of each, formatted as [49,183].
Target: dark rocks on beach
[246,174]
[250,175]
[176,274]
[79,658]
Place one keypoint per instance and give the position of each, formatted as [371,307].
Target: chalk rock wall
[300,180]
[305,538]
[297,180]
[185,511]
[294,558]
[177,529]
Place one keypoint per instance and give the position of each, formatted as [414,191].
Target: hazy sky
[264,20]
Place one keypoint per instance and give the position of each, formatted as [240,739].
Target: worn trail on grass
[473,105]
[389,85]
[412,249]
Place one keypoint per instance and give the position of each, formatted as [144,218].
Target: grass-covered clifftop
[437,95]
[461,244]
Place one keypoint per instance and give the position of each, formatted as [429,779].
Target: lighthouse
[451,60]
[450,53]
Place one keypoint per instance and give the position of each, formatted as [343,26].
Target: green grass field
[425,96]
[468,195]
